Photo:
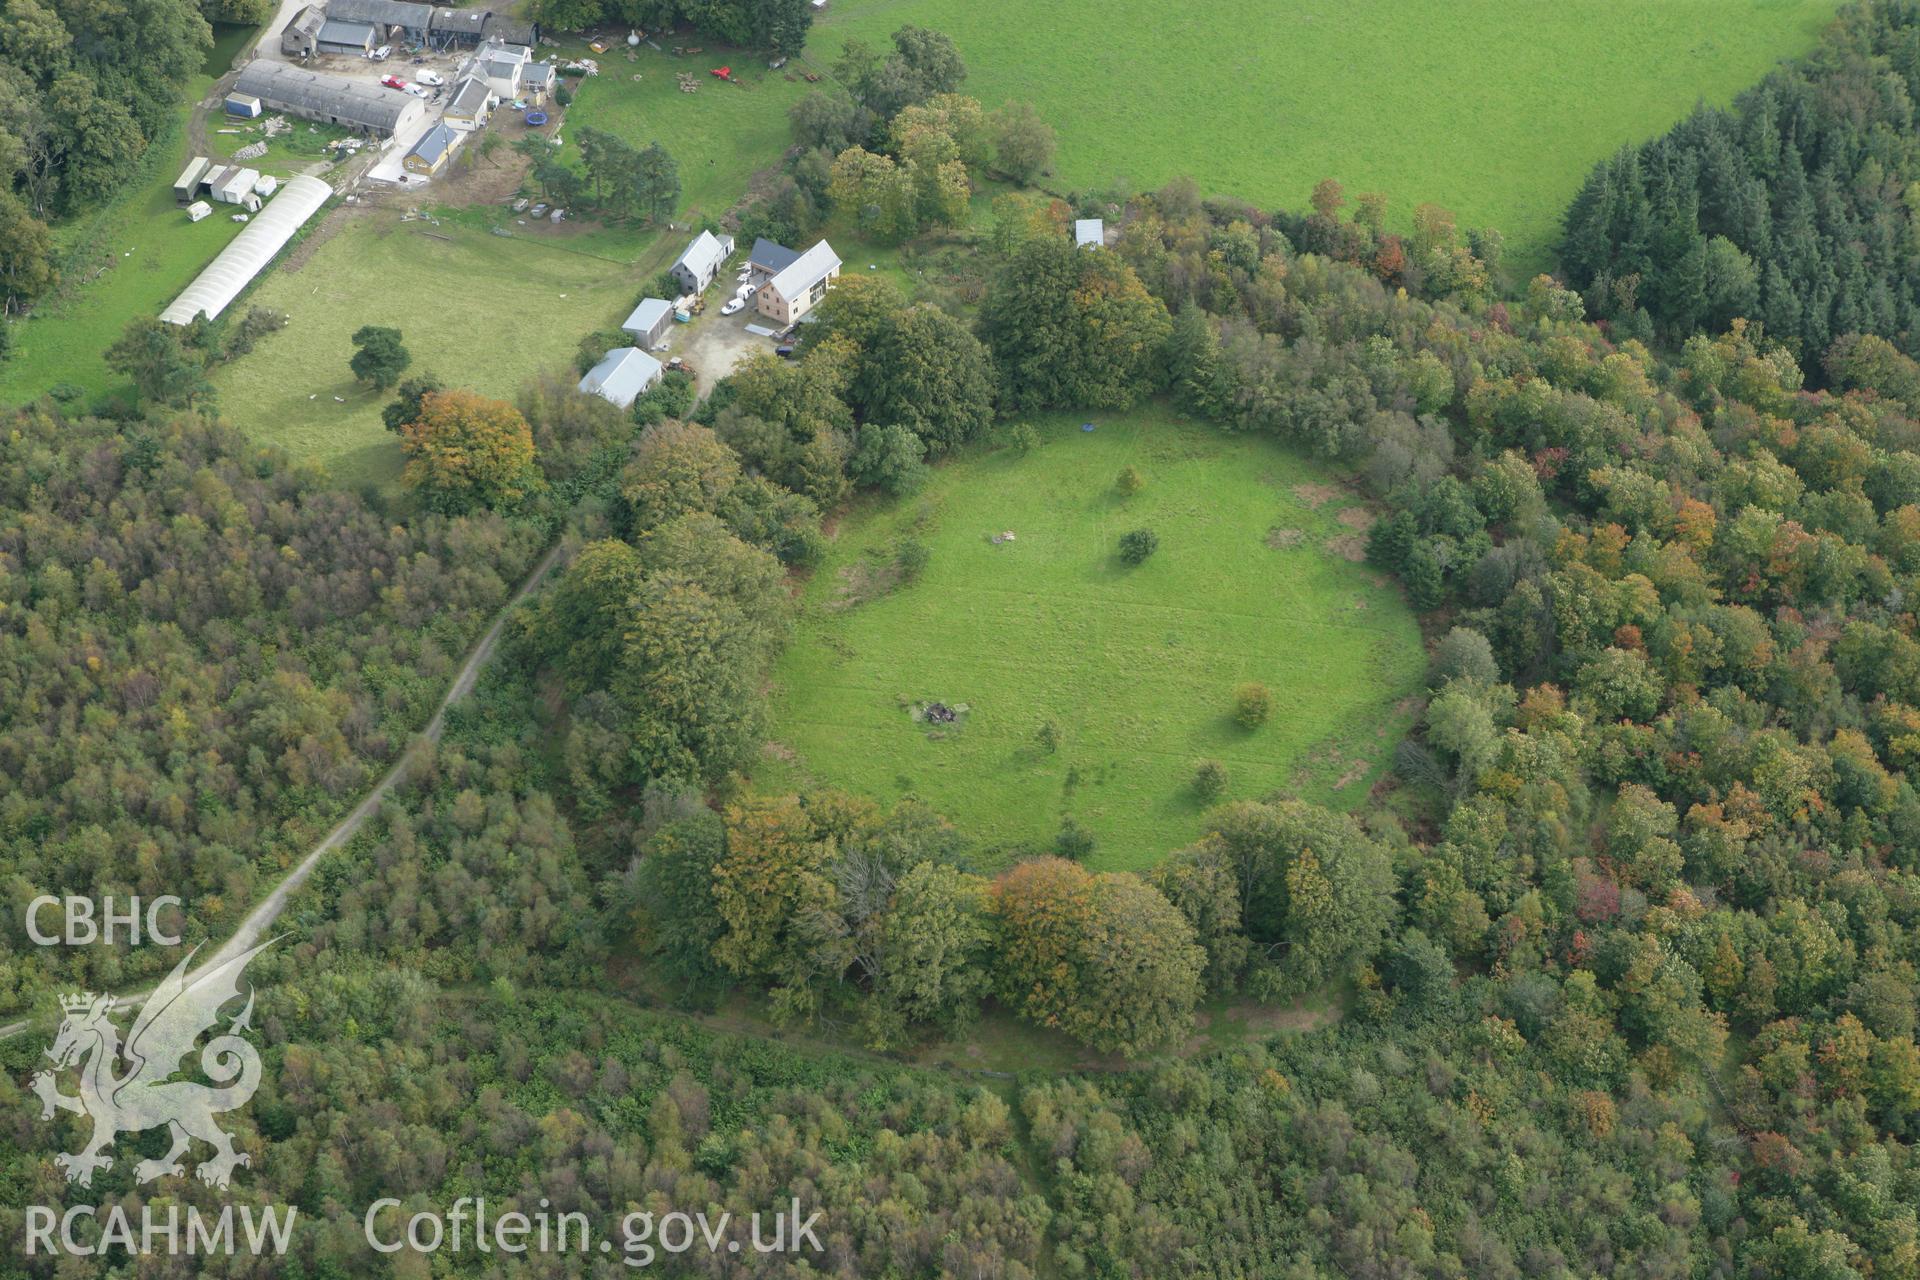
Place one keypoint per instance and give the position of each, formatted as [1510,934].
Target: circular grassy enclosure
[941,685]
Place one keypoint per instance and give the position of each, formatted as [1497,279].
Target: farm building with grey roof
[314,95]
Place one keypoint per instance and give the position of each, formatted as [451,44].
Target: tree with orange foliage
[1105,958]
[465,451]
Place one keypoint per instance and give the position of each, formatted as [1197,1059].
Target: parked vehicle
[734,305]
[381,54]
[417,91]
[393,82]
[785,353]
[430,77]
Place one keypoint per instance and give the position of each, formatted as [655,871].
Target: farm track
[268,909]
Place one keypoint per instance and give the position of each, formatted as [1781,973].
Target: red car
[393,82]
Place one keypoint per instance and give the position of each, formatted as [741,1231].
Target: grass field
[148,249]
[1134,667]
[482,311]
[720,135]
[1493,108]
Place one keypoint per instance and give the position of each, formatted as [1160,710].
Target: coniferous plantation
[1613,972]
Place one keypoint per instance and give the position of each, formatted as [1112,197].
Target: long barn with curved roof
[314,95]
[249,251]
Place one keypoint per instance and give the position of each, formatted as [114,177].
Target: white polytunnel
[249,251]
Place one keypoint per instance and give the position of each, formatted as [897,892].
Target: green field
[482,311]
[1493,108]
[127,259]
[720,135]
[1134,667]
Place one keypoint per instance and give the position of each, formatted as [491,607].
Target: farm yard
[1494,108]
[483,310]
[1135,668]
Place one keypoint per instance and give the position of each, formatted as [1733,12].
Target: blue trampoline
[536,117]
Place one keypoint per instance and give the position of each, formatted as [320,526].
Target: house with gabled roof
[697,266]
[799,286]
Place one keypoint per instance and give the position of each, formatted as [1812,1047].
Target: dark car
[785,353]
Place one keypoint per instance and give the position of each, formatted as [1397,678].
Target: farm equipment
[721,73]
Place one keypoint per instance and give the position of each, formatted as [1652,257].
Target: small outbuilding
[354,39]
[649,322]
[623,375]
[187,185]
[234,185]
[198,210]
[701,261]
[393,21]
[301,36]
[243,106]
[1089,233]
[457,28]
[430,154]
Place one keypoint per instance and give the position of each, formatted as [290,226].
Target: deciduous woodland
[1613,973]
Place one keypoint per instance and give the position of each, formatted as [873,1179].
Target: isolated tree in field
[1209,780]
[465,451]
[1023,143]
[1252,705]
[1129,482]
[154,355]
[378,355]
[1137,544]
[405,405]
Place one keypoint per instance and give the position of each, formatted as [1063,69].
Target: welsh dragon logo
[145,1096]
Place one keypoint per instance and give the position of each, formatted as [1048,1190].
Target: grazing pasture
[482,311]
[1493,108]
[1254,579]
